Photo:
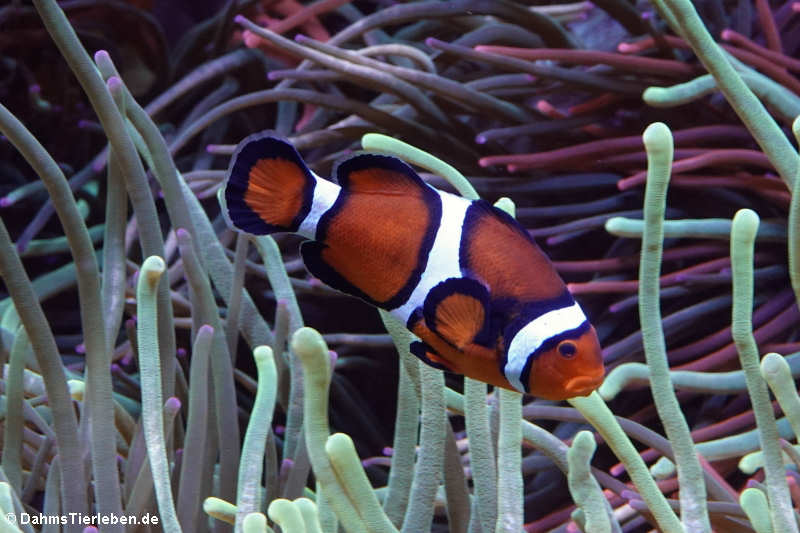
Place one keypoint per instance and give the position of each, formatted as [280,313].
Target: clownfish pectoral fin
[457,309]
[269,188]
[474,360]
[428,356]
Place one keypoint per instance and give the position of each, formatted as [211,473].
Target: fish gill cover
[157,363]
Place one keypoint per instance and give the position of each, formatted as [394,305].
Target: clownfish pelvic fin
[428,355]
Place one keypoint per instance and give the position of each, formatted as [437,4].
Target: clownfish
[462,275]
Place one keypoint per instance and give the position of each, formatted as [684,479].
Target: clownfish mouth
[583,385]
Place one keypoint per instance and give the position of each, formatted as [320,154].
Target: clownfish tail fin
[269,188]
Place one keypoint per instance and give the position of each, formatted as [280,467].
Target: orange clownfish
[463,276]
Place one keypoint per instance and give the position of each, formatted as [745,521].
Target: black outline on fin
[421,350]
[311,251]
[366,160]
[477,210]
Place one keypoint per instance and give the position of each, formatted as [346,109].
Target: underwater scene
[379,266]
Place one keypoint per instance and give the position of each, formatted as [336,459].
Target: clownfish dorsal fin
[457,309]
[497,250]
[368,173]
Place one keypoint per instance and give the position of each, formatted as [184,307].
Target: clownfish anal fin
[457,309]
[311,251]
[428,356]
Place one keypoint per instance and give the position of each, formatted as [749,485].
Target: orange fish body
[463,276]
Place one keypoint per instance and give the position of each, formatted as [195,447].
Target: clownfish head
[555,356]
[573,367]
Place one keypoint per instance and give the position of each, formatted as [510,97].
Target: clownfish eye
[567,349]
